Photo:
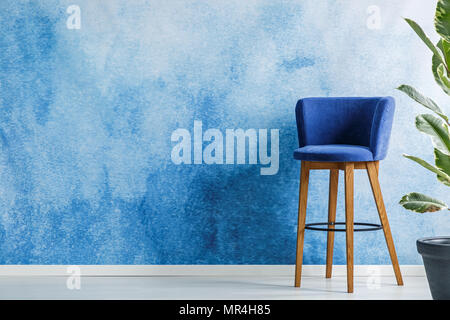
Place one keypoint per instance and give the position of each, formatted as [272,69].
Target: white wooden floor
[210,288]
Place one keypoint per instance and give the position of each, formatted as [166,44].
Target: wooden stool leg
[349,169]
[302,201]
[372,171]
[332,201]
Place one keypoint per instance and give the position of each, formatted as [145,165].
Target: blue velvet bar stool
[343,134]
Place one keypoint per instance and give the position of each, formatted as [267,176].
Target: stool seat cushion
[333,153]
[344,128]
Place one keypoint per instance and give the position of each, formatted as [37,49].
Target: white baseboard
[202,270]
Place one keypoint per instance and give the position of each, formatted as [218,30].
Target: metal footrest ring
[368,226]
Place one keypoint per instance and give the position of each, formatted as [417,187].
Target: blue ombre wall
[87,115]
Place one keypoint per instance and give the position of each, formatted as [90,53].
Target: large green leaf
[436,62]
[443,177]
[442,19]
[442,163]
[426,102]
[443,75]
[425,39]
[436,129]
[421,203]
[446,51]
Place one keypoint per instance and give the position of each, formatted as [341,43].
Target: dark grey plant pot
[435,253]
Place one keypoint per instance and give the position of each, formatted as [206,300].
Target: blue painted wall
[86,117]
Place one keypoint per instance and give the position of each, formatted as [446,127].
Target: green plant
[436,126]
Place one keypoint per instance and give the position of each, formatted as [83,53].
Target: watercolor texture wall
[107,109]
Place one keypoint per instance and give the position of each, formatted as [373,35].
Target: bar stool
[343,134]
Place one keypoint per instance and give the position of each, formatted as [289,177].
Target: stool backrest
[353,121]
